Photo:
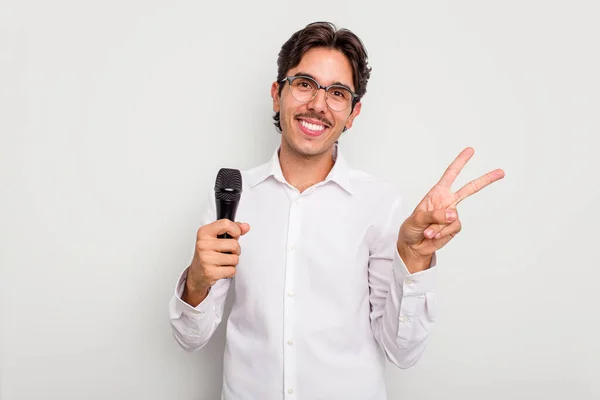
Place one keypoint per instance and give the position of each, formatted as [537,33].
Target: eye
[303,84]
[340,93]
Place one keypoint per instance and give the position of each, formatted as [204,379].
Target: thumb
[425,218]
[244,227]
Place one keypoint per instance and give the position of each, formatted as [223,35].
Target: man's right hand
[214,258]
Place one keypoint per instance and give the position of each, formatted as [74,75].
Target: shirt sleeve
[403,305]
[194,326]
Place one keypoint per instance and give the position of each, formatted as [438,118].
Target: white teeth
[312,127]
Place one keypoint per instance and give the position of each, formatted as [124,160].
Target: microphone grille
[228,185]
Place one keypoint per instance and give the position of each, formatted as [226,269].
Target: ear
[275,96]
[353,115]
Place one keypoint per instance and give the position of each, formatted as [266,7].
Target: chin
[309,147]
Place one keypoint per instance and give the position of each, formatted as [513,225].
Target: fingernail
[450,215]
[429,232]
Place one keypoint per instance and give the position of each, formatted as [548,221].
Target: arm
[195,311]
[402,304]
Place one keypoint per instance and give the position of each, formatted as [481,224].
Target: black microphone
[228,190]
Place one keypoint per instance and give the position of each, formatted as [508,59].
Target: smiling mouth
[312,128]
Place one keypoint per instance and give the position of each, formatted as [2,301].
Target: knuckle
[474,187]
[442,217]
[204,258]
[232,228]
[201,232]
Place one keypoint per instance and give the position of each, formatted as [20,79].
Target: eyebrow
[310,76]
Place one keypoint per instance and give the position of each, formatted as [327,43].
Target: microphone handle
[226,210]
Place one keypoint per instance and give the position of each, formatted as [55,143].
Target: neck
[302,171]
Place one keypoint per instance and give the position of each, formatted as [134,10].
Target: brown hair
[324,34]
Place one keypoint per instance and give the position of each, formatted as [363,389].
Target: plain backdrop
[116,115]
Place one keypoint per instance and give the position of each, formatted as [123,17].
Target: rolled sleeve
[194,326]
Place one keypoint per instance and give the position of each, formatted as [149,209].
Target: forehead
[326,66]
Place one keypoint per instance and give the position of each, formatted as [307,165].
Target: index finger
[220,227]
[455,167]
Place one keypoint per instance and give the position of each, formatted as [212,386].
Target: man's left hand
[434,222]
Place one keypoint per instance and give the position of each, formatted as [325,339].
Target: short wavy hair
[325,34]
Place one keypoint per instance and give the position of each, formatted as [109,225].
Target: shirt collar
[340,173]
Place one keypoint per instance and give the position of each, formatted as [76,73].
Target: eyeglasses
[304,89]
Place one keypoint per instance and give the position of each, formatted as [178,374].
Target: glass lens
[338,98]
[303,89]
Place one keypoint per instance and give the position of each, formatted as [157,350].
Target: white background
[116,115]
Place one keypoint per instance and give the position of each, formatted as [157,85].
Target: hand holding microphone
[217,248]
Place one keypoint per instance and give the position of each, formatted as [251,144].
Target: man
[333,277]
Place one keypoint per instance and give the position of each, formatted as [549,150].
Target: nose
[319,104]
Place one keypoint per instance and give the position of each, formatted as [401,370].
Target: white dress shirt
[321,295]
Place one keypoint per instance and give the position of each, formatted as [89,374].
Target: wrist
[194,282]
[414,263]
[193,298]
[194,294]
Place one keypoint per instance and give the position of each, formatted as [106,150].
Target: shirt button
[292,248]
[290,391]
[409,281]
[290,294]
[403,319]
[290,342]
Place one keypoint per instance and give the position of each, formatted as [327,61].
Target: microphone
[228,190]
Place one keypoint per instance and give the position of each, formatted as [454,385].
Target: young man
[333,278]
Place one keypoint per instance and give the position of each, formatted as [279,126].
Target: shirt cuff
[184,308]
[418,283]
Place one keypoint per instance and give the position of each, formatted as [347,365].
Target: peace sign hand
[434,222]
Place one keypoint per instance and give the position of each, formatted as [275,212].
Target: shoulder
[367,184]
[385,201]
